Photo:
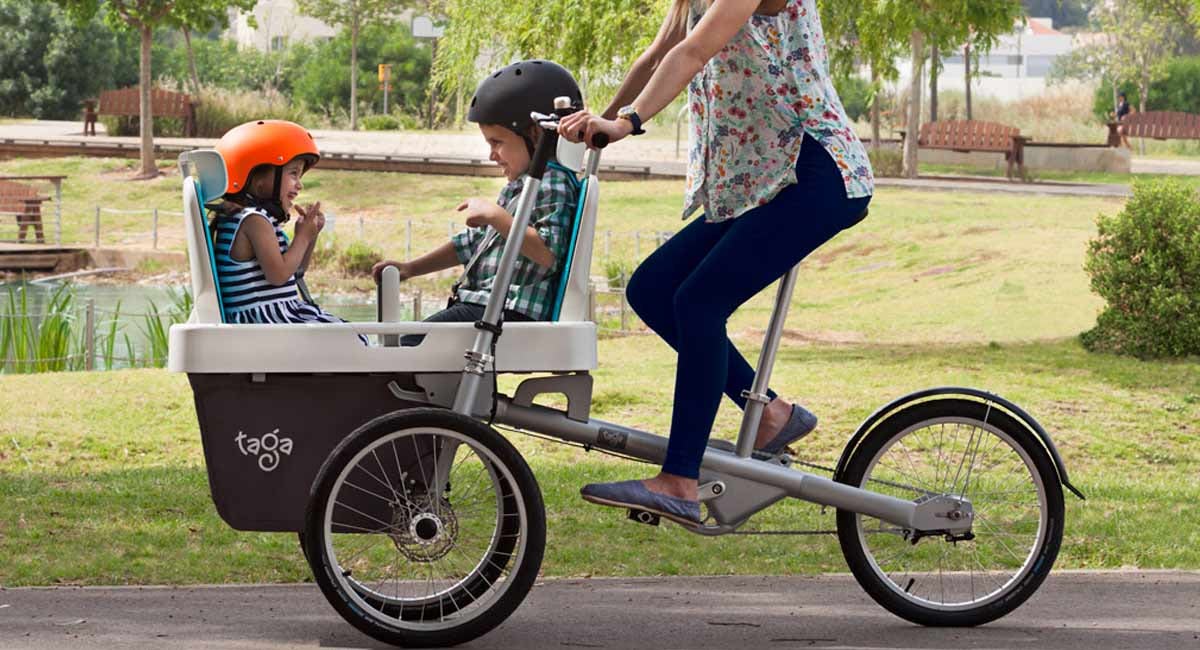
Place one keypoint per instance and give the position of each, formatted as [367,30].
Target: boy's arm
[441,258]
[532,246]
[481,212]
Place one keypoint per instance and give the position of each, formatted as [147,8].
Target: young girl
[256,264]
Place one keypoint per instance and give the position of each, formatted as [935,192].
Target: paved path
[1073,611]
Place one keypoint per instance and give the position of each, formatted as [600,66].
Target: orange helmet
[263,142]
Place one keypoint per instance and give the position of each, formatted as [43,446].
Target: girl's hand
[405,269]
[311,213]
[581,126]
[481,213]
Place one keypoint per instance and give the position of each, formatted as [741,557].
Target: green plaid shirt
[533,287]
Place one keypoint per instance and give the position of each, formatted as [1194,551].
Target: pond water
[130,306]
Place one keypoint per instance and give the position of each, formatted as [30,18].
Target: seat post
[756,397]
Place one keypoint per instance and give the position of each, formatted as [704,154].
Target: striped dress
[247,295]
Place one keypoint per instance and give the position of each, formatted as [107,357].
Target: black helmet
[508,95]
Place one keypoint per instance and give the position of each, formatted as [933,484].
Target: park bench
[126,102]
[23,202]
[971,135]
[1159,125]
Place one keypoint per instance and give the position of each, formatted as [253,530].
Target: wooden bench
[126,102]
[972,135]
[23,202]
[1159,125]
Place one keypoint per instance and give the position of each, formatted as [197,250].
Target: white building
[1017,67]
[278,24]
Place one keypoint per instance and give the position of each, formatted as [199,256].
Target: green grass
[108,486]
[102,477]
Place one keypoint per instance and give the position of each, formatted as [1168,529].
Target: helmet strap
[278,184]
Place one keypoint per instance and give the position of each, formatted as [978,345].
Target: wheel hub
[423,532]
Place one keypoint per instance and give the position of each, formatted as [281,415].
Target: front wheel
[425,528]
[965,449]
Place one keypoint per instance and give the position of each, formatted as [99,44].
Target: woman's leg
[759,248]
[652,287]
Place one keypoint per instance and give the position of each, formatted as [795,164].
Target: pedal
[643,517]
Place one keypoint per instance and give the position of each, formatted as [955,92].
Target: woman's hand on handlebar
[583,126]
[405,269]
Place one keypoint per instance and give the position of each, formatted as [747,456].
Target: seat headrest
[208,167]
[570,154]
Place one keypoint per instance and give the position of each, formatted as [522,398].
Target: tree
[947,24]
[319,81]
[1133,44]
[202,15]
[881,29]
[49,63]
[352,14]
[597,39]
[143,16]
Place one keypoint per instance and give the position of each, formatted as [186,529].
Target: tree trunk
[875,109]
[432,86]
[934,64]
[1116,97]
[145,110]
[913,126]
[354,72]
[191,54]
[1143,90]
[967,63]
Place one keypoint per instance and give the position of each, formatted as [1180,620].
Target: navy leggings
[687,290]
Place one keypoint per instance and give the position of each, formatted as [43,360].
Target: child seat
[205,344]
[571,299]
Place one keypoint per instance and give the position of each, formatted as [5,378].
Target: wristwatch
[630,113]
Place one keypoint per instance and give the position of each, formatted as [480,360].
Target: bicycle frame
[746,485]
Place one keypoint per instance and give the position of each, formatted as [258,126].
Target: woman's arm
[669,35]
[719,25]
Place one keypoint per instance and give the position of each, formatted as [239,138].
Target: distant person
[1123,109]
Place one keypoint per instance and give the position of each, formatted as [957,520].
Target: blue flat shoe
[800,424]
[635,495]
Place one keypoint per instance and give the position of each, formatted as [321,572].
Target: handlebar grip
[600,140]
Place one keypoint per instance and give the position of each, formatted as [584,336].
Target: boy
[501,108]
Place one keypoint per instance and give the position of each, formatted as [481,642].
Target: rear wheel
[415,556]
[964,449]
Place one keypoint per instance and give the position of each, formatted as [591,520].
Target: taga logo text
[267,448]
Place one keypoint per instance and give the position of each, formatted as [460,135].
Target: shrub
[1145,263]
[886,161]
[326,254]
[617,271]
[855,93]
[358,258]
[380,123]
[220,110]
